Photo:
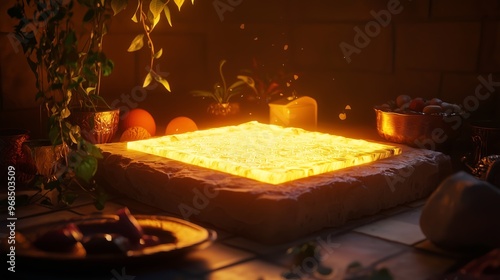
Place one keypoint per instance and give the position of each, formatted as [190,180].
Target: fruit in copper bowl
[419,122]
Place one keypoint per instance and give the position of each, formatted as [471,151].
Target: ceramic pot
[42,156]
[11,141]
[97,127]
[223,109]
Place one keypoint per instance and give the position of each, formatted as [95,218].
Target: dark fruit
[61,239]
[106,244]
[402,99]
[417,104]
[150,240]
[128,226]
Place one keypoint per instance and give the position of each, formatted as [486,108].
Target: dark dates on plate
[63,239]
[126,225]
[107,235]
[104,243]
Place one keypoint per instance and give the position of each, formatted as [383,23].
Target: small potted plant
[265,86]
[221,95]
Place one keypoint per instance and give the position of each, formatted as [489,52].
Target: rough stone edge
[253,210]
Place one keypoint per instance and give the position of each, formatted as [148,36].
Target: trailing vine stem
[147,31]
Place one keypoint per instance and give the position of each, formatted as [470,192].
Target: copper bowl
[433,132]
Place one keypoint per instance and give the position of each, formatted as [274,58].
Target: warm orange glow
[266,153]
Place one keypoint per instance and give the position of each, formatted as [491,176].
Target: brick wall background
[428,48]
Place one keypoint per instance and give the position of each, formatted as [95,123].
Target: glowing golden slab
[266,153]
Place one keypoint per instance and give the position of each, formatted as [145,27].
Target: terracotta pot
[97,127]
[11,141]
[42,156]
[223,109]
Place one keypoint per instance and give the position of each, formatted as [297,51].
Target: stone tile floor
[391,239]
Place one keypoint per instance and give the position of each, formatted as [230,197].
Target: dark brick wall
[428,48]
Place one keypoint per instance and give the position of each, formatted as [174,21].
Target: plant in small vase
[221,95]
[265,86]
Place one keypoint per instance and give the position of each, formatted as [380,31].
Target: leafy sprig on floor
[308,253]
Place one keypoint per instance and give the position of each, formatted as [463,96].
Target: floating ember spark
[266,153]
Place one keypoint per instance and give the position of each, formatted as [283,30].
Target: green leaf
[52,185]
[179,3]
[74,133]
[162,81]
[147,80]
[100,201]
[68,198]
[236,84]
[247,79]
[118,6]
[39,95]
[137,43]
[87,168]
[156,6]
[158,54]
[202,93]
[89,15]
[15,12]
[89,90]
[134,18]
[156,19]
[93,150]
[65,112]
[70,39]
[166,10]
[107,67]
[54,134]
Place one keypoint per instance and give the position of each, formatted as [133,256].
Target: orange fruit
[134,133]
[141,118]
[180,125]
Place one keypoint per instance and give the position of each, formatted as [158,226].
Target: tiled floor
[391,239]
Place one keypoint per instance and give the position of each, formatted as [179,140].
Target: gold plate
[189,237]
